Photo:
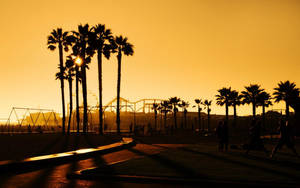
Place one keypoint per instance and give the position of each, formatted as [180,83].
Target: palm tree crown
[286,91]
[250,95]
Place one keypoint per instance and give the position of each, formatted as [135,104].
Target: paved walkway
[56,176]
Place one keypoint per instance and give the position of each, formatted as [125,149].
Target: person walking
[286,138]
[255,141]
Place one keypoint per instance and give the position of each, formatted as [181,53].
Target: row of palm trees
[85,43]
[252,94]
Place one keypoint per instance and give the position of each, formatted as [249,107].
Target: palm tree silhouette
[60,38]
[199,102]
[120,46]
[184,105]
[165,107]
[82,47]
[155,108]
[234,100]
[174,101]
[99,40]
[286,91]
[207,104]
[264,100]
[250,95]
[69,76]
[223,99]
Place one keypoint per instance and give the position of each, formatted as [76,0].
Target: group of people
[255,141]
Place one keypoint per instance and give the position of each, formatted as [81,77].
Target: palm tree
[286,91]
[84,50]
[69,76]
[174,101]
[78,62]
[264,100]
[207,104]
[99,38]
[250,95]
[120,46]
[155,108]
[223,99]
[165,107]
[184,105]
[60,38]
[199,102]
[234,100]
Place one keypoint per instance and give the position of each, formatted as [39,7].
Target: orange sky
[184,48]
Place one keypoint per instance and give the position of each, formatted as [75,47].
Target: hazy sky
[184,48]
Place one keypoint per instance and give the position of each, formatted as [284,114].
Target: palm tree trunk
[155,120]
[118,91]
[287,110]
[208,119]
[263,116]
[165,120]
[84,90]
[77,99]
[254,109]
[185,114]
[226,110]
[100,90]
[234,115]
[71,103]
[175,118]
[62,88]
[199,118]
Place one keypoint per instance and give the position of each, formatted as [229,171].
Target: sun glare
[78,61]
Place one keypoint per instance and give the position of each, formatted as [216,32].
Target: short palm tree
[174,101]
[100,38]
[199,102]
[223,99]
[264,100]
[69,76]
[207,104]
[234,100]
[250,96]
[155,108]
[165,107]
[184,105]
[83,49]
[60,38]
[121,46]
[287,92]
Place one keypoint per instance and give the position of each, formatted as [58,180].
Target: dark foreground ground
[177,156]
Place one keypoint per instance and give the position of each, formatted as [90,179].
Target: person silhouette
[286,137]
[255,141]
[222,135]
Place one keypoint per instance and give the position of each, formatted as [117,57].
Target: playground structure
[31,120]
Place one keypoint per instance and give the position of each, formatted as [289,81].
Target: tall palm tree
[175,102]
[223,99]
[165,107]
[121,46]
[99,40]
[82,48]
[207,104]
[199,102]
[78,79]
[69,75]
[234,100]
[184,105]
[264,100]
[250,95]
[60,39]
[286,91]
[155,108]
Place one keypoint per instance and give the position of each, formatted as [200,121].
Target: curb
[33,163]
[173,180]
